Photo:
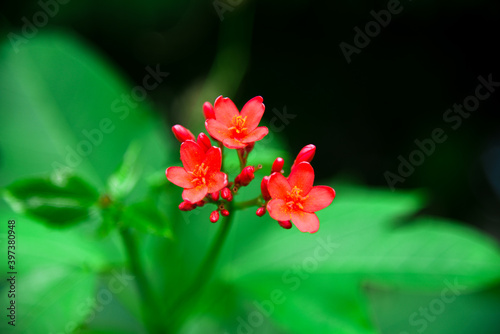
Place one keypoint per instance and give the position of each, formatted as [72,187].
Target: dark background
[361,115]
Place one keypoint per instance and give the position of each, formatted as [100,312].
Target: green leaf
[64,110]
[121,182]
[407,311]
[429,251]
[57,271]
[57,202]
[145,217]
[303,302]
[52,290]
[361,237]
[356,218]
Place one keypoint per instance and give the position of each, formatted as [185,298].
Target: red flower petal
[208,110]
[204,141]
[217,130]
[253,110]
[233,143]
[216,182]
[302,176]
[255,135]
[192,155]
[318,198]
[213,160]
[196,194]
[225,110]
[278,209]
[179,177]
[278,186]
[305,221]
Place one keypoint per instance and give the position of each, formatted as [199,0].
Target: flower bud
[305,154]
[204,141]
[286,224]
[247,175]
[181,133]
[225,213]
[214,196]
[187,206]
[208,110]
[263,188]
[249,147]
[261,211]
[214,216]
[226,194]
[200,203]
[277,165]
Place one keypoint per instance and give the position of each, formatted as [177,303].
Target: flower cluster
[288,200]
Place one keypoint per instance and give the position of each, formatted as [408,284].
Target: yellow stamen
[199,174]
[238,123]
[295,199]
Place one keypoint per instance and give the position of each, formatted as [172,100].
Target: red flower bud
[246,175]
[263,188]
[200,203]
[249,147]
[208,110]
[187,206]
[277,165]
[215,196]
[214,216]
[181,133]
[261,211]
[225,213]
[204,141]
[226,194]
[286,224]
[305,154]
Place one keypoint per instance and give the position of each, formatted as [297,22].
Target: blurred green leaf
[431,250]
[58,203]
[397,311]
[357,218]
[145,217]
[63,110]
[121,182]
[57,274]
[52,299]
[366,235]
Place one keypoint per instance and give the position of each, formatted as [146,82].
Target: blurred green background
[423,258]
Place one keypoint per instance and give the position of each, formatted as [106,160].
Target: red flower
[235,129]
[305,154]
[294,198]
[201,172]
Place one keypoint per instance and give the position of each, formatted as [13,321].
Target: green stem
[246,204]
[149,306]
[185,300]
